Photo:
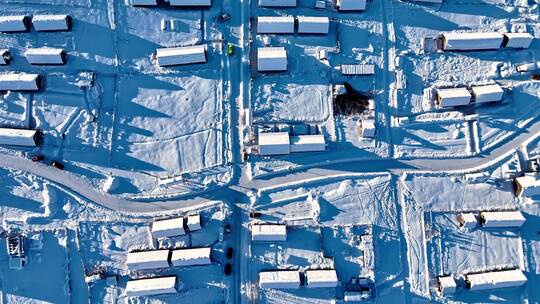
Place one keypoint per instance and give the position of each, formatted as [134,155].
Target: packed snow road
[81,188]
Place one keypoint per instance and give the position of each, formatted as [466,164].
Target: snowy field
[110,112]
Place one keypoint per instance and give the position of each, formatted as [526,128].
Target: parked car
[57,164]
[228,228]
[224,17]
[229,253]
[38,157]
[228,269]
[254,214]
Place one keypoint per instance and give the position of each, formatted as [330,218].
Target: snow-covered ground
[111,112]
[142,142]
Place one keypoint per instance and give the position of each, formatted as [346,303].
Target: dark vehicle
[254,214]
[228,228]
[228,269]
[37,158]
[57,165]
[229,253]
[224,17]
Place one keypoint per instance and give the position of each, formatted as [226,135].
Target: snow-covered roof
[308,143]
[190,2]
[143,2]
[5,56]
[281,279]
[313,25]
[472,41]
[152,259]
[51,22]
[45,55]
[17,137]
[277,3]
[275,25]
[14,23]
[487,93]
[191,257]
[351,5]
[367,128]
[467,220]
[274,143]
[19,82]
[271,59]
[496,279]
[453,97]
[194,222]
[152,286]
[447,285]
[181,55]
[271,52]
[269,232]
[321,278]
[518,40]
[528,185]
[358,69]
[168,228]
[502,219]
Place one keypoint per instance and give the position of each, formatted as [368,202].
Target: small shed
[269,232]
[153,259]
[501,219]
[357,69]
[190,2]
[181,55]
[168,228]
[528,67]
[517,40]
[495,279]
[453,97]
[144,2]
[275,25]
[313,25]
[194,222]
[322,278]
[487,93]
[281,279]
[308,143]
[191,257]
[51,23]
[20,82]
[46,56]
[367,128]
[472,41]
[277,3]
[18,137]
[446,285]
[12,24]
[527,185]
[351,5]
[271,59]
[467,220]
[274,143]
[5,57]
[151,287]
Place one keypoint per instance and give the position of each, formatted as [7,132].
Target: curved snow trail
[483,160]
[396,166]
[80,187]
